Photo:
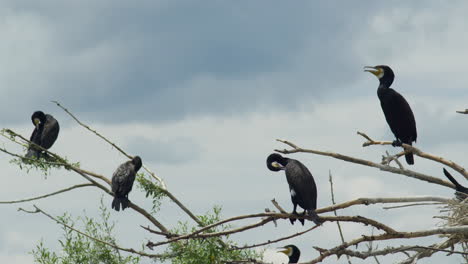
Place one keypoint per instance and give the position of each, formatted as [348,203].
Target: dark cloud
[168,60]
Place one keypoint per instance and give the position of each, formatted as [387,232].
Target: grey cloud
[173,151]
[118,60]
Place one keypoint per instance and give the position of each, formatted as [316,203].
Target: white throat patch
[293,193]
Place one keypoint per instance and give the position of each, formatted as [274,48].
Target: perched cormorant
[301,185]
[396,109]
[44,134]
[122,182]
[292,252]
[462,191]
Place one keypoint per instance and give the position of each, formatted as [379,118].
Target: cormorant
[292,252]
[396,109]
[462,191]
[301,185]
[122,182]
[44,134]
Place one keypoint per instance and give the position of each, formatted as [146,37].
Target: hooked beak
[284,250]
[373,70]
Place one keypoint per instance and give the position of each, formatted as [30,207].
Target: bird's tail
[315,218]
[409,156]
[449,176]
[32,153]
[120,201]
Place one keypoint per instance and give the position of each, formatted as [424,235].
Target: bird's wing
[120,176]
[50,132]
[123,178]
[300,181]
[399,116]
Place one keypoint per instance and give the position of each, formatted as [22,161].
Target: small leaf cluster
[152,190]
[206,250]
[79,249]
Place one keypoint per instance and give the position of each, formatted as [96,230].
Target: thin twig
[276,240]
[330,178]
[48,195]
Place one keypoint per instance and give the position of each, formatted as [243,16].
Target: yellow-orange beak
[378,72]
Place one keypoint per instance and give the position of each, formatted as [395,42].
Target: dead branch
[419,153]
[276,240]
[48,195]
[386,236]
[409,173]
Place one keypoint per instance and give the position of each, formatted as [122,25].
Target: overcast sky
[201,90]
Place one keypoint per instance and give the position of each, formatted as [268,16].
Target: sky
[201,90]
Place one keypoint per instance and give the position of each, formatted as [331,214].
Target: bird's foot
[397,143]
[292,220]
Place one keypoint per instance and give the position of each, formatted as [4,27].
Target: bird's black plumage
[462,191]
[45,133]
[396,109]
[301,184]
[292,252]
[122,182]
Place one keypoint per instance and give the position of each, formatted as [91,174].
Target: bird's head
[38,118]
[136,161]
[383,73]
[292,252]
[276,162]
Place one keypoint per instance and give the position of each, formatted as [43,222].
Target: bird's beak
[277,165]
[37,122]
[286,251]
[373,70]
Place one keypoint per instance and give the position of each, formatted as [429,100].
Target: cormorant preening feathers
[462,191]
[396,109]
[122,182]
[292,252]
[44,134]
[301,184]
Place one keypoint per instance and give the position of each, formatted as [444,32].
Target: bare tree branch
[48,195]
[419,153]
[409,173]
[386,236]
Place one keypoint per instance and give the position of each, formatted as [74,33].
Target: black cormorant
[122,182]
[462,191]
[301,185]
[396,109]
[44,134]
[292,252]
